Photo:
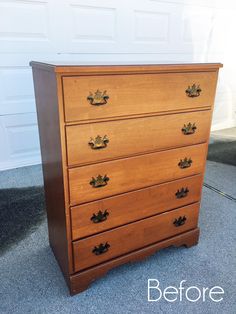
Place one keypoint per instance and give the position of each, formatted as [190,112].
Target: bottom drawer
[109,244]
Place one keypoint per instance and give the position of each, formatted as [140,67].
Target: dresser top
[122,67]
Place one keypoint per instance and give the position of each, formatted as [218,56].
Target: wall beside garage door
[105,30]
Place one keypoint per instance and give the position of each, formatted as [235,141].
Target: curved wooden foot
[81,281]
[190,240]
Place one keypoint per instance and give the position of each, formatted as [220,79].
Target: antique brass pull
[101,248]
[189,128]
[98,98]
[99,142]
[182,193]
[185,163]
[180,221]
[100,216]
[193,91]
[99,181]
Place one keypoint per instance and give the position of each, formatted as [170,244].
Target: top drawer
[107,96]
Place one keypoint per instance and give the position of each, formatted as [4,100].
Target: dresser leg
[190,240]
[193,240]
[81,281]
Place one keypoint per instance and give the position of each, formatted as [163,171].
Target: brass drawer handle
[101,248]
[182,193]
[100,216]
[189,128]
[180,221]
[99,142]
[99,181]
[193,91]
[185,163]
[98,98]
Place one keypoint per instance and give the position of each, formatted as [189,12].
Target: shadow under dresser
[123,150]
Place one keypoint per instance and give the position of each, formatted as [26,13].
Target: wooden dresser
[123,150]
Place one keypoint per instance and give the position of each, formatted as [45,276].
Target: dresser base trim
[81,281]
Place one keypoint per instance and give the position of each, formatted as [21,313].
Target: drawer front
[115,211]
[101,141]
[96,97]
[110,244]
[92,182]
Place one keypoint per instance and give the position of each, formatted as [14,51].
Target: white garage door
[105,30]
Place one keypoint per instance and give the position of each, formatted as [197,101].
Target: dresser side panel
[45,85]
[209,131]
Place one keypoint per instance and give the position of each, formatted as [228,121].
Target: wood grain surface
[133,236]
[134,173]
[132,206]
[135,136]
[136,94]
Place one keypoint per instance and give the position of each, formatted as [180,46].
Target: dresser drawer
[115,211]
[104,246]
[89,143]
[106,96]
[88,183]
